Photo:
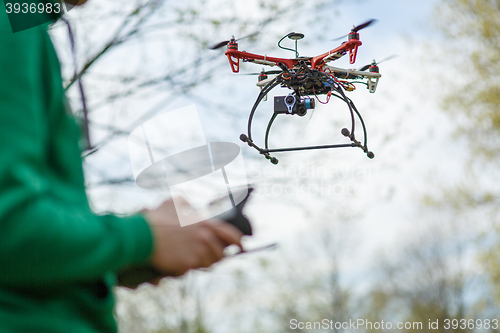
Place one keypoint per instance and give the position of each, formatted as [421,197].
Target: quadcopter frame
[307,77]
[306,82]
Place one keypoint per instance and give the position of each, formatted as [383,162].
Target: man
[58,260]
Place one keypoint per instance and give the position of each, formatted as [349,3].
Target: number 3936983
[33,7]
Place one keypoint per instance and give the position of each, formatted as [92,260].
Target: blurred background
[408,237]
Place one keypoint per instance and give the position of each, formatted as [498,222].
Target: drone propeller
[265,72]
[224,43]
[363,25]
[357,28]
[374,63]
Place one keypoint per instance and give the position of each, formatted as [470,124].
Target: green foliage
[475,26]
[491,261]
[430,278]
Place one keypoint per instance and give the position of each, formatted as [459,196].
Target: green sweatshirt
[57,259]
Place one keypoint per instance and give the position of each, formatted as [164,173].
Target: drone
[308,78]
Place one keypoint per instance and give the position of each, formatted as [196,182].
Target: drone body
[307,77]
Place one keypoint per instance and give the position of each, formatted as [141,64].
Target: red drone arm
[351,46]
[234,55]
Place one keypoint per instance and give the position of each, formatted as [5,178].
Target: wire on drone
[328,95]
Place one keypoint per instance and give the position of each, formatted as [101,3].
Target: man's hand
[178,249]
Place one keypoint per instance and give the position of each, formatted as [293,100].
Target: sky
[401,118]
[409,134]
[372,205]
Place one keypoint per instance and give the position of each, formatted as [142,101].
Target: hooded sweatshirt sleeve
[48,233]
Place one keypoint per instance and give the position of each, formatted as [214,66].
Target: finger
[211,248]
[227,233]
[212,253]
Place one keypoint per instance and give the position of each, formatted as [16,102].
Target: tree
[474,104]
[433,276]
[476,23]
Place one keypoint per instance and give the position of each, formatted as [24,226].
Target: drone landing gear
[274,160]
[345,132]
[264,152]
[294,104]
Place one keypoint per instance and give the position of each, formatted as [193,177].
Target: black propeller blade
[357,28]
[224,43]
[363,25]
[265,72]
[338,38]
[218,46]
[365,67]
